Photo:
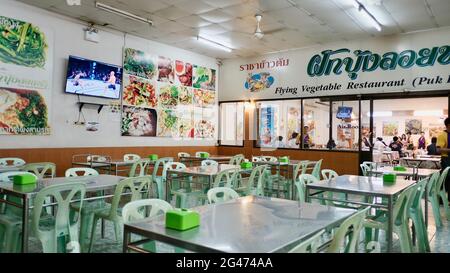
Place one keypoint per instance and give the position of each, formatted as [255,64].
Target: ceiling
[287,24]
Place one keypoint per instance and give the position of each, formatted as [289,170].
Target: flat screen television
[344,112]
[92,78]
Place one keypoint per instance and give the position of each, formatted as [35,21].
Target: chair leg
[86,222]
[118,231]
[436,211]
[445,202]
[94,227]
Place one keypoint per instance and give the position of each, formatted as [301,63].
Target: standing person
[306,137]
[432,149]
[404,141]
[443,147]
[409,145]
[422,141]
[292,142]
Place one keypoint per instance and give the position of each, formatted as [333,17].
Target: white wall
[69,40]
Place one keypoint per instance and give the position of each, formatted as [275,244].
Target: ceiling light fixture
[381,114]
[425,113]
[122,13]
[214,44]
[362,9]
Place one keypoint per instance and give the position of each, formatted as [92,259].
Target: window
[316,124]
[232,124]
[278,122]
[345,130]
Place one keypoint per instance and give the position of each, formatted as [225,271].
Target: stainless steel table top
[247,224]
[362,184]
[407,172]
[431,159]
[290,163]
[212,157]
[93,183]
[205,170]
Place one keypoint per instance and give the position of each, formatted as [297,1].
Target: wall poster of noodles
[26,63]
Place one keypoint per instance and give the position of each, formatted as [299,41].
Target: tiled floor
[439,239]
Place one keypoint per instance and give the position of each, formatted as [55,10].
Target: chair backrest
[310,245]
[198,154]
[63,194]
[160,163]
[41,170]
[143,209]
[183,154]
[140,167]
[221,194]
[8,176]
[237,159]
[303,180]
[268,158]
[367,166]
[97,158]
[351,229]
[440,185]
[172,166]
[256,158]
[415,201]
[138,186]
[257,180]
[432,184]
[209,162]
[225,178]
[131,157]
[328,174]
[300,169]
[12,161]
[84,172]
[316,170]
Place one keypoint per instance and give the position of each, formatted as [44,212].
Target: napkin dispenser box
[389,178]
[204,155]
[153,157]
[399,168]
[246,165]
[182,219]
[24,179]
[284,159]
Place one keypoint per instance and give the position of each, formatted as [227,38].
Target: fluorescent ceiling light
[214,44]
[425,113]
[368,16]
[381,114]
[123,13]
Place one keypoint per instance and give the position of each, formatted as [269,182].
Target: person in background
[292,142]
[396,145]
[422,141]
[331,144]
[366,142]
[306,137]
[343,143]
[409,145]
[379,144]
[279,142]
[432,149]
[404,141]
[443,147]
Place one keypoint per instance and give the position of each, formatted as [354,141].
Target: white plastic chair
[131,157]
[73,172]
[209,162]
[226,195]
[12,162]
[198,154]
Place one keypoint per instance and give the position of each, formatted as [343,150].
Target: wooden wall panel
[62,157]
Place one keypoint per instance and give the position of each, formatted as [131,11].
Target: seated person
[396,145]
[292,142]
[279,142]
[432,149]
[379,144]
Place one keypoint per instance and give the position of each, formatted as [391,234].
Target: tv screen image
[92,78]
[344,112]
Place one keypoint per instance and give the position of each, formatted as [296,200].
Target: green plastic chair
[160,179]
[209,162]
[328,174]
[12,161]
[221,194]
[183,154]
[146,209]
[367,166]
[310,245]
[131,157]
[304,179]
[400,214]
[140,167]
[41,170]
[346,237]
[74,172]
[180,192]
[256,181]
[198,154]
[135,186]
[316,170]
[415,213]
[50,231]
[441,191]
[433,198]
[237,159]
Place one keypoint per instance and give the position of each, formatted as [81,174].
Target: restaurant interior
[232,126]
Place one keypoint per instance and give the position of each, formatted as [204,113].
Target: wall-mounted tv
[344,112]
[92,78]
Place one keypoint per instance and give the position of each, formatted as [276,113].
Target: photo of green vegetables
[167,123]
[21,43]
[139,63]
[204,78]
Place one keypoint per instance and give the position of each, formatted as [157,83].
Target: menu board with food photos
[165,97]
[26,64]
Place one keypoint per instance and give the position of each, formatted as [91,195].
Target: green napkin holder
[246,165]
[204,155]
[389,178]
[182,219]
[153,157]
[284,159]
[26,188]
[24,179]
[399,168]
